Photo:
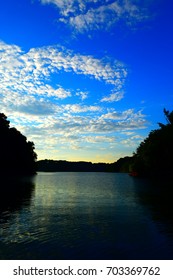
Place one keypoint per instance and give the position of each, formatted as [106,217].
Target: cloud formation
[31,72]
[84,15]
[42,109]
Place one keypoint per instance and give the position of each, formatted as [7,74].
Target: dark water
[85,216]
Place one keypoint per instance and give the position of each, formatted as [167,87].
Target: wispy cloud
[77,108]
[77,128]
[84,15]
[117,96]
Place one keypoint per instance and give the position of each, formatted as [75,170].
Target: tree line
[48,165]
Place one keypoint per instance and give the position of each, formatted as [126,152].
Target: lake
[84,216]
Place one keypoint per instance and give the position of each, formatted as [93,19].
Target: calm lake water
[85,216]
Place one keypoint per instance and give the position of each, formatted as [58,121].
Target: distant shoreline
[48,165]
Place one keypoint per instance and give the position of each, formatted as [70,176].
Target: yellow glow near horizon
[88,157]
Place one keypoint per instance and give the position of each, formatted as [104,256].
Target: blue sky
[86,79]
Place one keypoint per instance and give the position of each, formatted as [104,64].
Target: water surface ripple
[84,216]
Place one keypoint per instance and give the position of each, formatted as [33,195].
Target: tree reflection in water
[157,196]
[15,193]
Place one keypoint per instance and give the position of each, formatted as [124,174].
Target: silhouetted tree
[4,123]
[17,155]
[169,118]
[154,156]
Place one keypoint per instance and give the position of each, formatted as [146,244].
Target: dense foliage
[154,156]
[17,155]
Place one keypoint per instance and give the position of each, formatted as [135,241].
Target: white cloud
[132,141]
[77,108]
[117,96]
[36,67]
[73,127]
[59,93]
[15,102]
[100,139]
[82,94]
[124,115]
[30,75]
[84,15]
[103,123]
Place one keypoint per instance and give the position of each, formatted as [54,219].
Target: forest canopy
[154,156]
[17,155]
